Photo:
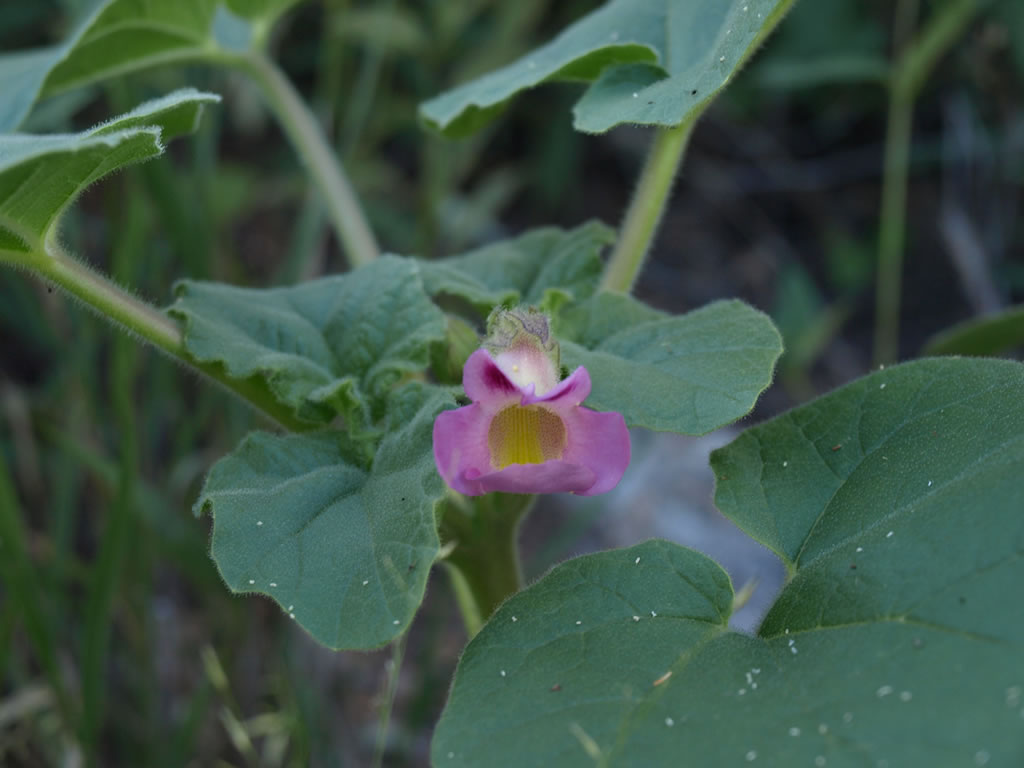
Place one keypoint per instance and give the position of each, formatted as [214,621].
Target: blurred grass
[119,644]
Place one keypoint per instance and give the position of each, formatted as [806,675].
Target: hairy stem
[323,165]
[646,208]
[484,563]
[137,317]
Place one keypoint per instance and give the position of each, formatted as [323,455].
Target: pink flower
[526,432]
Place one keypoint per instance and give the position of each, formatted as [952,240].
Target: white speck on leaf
[860,549]
[514,619]
[881,386]
[721,58]
[884,691]
[636,618]
[252,581]
[794,731]
[654,615]
[889,535]
[906,696]
[578,623]
[929,483]
[637,561]
[822,729]
[396,622]
[636,95]
[503,673]
[259,523]
[785,464]
[669,722]
[273,583]
[751,756]
[365,582]
[741,692]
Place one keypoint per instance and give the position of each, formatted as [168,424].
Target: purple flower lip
[526,432]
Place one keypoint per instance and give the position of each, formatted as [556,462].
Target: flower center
[525,434]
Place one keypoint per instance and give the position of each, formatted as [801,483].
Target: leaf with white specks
[896,503]
[646,62]
[344,549]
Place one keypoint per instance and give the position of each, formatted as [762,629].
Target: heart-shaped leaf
[322,346]
[40,176]
[689,373]
[119,36]
[344,549]
[524,269]
[648,62]
[899,640]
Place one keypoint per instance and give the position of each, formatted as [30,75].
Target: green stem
[388,703]
[484,562]
[645,210]
[892,226]
[309,141]
[144,320]
[913,65]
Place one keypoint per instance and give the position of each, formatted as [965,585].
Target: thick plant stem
[484,562]
[645,210]
[914,64]
[146,321]
[323,165]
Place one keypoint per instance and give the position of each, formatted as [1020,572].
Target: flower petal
[570,392]
[600,442]
[555,476]
[484,381]
[460,445]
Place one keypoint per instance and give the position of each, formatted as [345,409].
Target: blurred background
[135,654]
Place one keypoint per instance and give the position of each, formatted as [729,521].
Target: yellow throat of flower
[525,434]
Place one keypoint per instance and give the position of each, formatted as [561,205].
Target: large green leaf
[648,62]
[41,175]
[119,36]
[524,269]
[896,501]
[690,373]
[344,550]
[323,346]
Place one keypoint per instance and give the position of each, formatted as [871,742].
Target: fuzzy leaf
[648,62]
[323,346]
[119,36]
[689,373]
[40,176]
[344,549]
[902,649]
[524,269]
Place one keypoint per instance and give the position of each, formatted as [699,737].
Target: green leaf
[40,176]
[343,549]
[323,346]
[690,373]
[115,37]
[648,62]
[901,649]
[526,269]
[981,336]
